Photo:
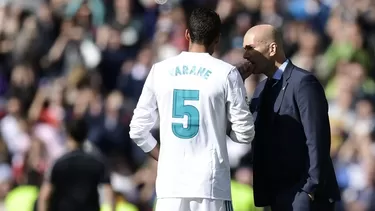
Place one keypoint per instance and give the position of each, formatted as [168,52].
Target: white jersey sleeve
[238,113]
[145,116]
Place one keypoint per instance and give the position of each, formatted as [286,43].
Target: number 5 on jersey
[180,109]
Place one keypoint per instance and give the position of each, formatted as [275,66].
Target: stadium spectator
[73,180]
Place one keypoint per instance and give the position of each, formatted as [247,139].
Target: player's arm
[44,196]
[238,114]
[144,118]
[47,189]
[154,153]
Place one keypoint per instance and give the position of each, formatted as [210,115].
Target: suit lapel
[283,86]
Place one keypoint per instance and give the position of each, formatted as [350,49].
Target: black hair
[204,26]
[77,130]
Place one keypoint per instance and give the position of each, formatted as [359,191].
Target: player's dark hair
[77,130]
[204,26]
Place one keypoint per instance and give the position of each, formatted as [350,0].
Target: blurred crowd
[66,59]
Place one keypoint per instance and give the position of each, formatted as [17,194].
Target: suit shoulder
[303,79]
[299,72]
[301,75]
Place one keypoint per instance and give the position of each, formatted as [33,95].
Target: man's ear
[272,49]
[187,35]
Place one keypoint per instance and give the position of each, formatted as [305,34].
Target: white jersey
[194,95]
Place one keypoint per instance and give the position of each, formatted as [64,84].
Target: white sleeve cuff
[147,144]
[241,138]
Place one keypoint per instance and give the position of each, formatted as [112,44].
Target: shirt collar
[279,72]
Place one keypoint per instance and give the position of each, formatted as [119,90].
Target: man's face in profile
[256,53]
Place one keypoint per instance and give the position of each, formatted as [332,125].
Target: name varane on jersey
[190,70]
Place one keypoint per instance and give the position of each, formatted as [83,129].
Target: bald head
[264,48]
[265,34]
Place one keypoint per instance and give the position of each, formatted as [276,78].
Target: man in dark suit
[290,156]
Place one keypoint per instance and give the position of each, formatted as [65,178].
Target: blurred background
[66,59]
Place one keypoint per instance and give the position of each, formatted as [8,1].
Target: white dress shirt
[279,72]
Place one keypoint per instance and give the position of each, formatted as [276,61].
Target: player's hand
[244,176]
[245,69]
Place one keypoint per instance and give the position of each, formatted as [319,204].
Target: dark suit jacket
[296,153]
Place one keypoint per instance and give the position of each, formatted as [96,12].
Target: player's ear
[187,35]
